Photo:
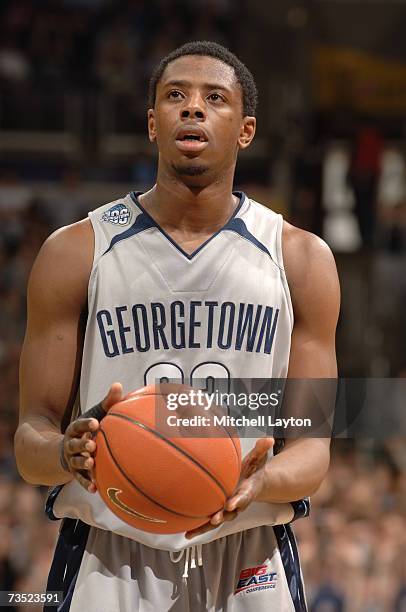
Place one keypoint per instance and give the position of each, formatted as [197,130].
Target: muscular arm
[51,355]
[299,469]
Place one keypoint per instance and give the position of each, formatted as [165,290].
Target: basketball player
[185,281]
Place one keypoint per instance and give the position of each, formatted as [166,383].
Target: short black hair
[210,49]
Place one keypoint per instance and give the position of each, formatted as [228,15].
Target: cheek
[162,126]
[231,133]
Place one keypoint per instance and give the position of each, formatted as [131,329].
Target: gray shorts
[255,570]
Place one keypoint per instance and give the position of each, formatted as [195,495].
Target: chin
[190,170]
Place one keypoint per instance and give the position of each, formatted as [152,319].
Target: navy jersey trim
[67,560]
[134,196]
[49,504]
[238,226]
[290,560]
[301,508]
[141,223]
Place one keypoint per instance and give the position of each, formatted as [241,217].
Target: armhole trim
[96,257]
[279,255]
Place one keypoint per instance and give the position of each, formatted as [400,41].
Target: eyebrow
[178,83]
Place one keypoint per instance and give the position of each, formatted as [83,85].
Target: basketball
[158,480]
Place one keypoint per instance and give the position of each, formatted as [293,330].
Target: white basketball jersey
[158,313]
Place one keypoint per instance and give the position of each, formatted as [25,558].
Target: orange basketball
[158,478]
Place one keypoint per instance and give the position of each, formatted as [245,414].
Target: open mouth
[191,140]
[192,137]
[191,133]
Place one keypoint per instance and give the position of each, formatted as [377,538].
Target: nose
[193,108]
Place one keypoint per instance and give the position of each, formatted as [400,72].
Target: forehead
[200,69]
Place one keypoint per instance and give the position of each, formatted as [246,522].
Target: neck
[183,205]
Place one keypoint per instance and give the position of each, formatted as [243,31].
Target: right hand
[79,445]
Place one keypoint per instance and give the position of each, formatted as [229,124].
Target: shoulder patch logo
[118,215]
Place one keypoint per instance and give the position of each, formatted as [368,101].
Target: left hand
[251,483]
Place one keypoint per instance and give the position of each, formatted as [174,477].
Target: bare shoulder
[309,265]
[63,265]
[71,236]
[303,250]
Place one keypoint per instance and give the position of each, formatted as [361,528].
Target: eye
[215,97]
[174,94]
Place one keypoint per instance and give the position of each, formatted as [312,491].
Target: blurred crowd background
[329,155]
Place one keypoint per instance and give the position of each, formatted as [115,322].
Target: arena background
[329,155]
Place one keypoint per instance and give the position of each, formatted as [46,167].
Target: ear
[247,132]
[151,125]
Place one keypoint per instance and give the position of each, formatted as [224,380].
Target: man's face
[197,121]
